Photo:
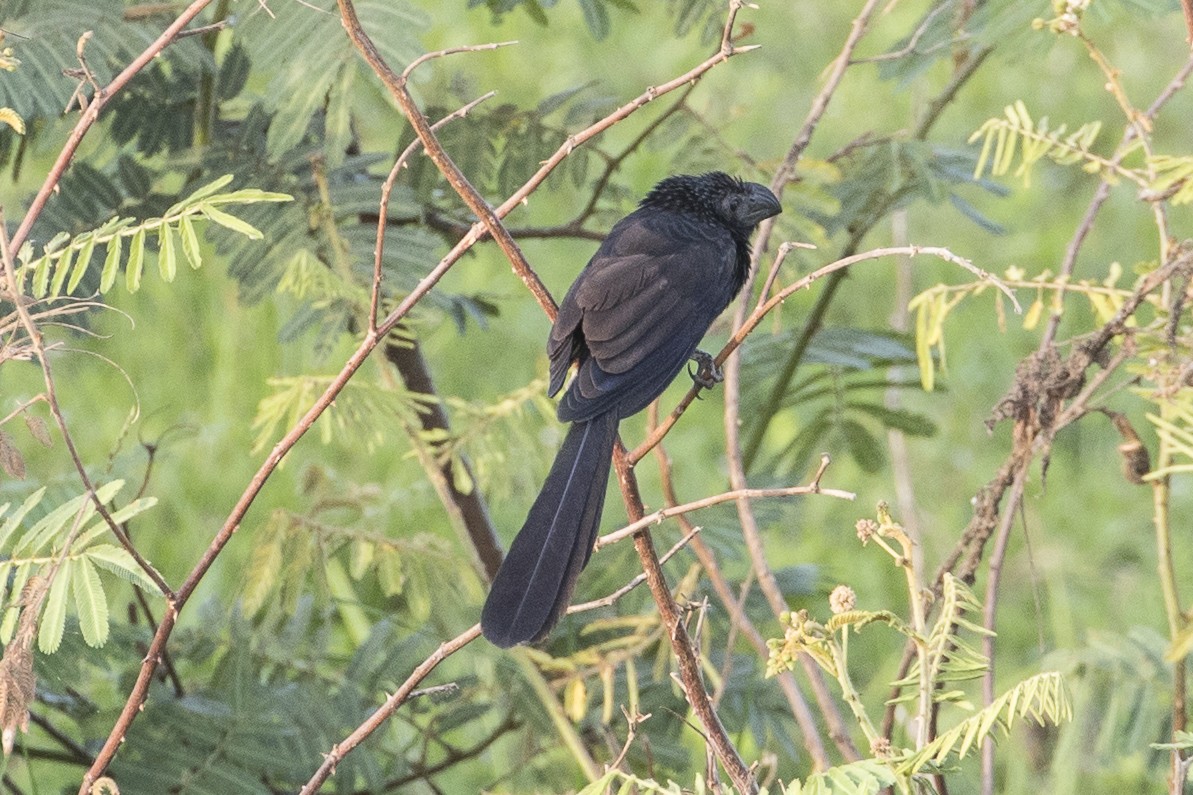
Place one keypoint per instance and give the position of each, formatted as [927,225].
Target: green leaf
[596,16]
[53,617]
[41,277]
[111,264]
[190,242]
[167,265]
[81,263]
[118,561]
[10,524]
[390,572]
[19,578]
[909,422]
[210,189]
[264,565]
[91,603]
[865,449]
[232,222]
[133,508]
[136,260]
[248,196]
[60,271]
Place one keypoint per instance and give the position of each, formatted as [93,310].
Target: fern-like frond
[1174,178]
[68,537]
[318,66]
[65,260]
[362,412]
[500,438]
[1016,134]
[864,777]
[1043,698]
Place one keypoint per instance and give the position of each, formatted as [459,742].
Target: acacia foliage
[261,150]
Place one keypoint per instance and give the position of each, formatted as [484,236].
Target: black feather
[630,321]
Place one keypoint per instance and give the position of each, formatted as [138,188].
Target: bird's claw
[707,374]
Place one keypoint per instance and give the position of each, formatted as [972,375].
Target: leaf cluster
[67,546]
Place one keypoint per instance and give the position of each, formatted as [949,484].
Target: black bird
[630,321]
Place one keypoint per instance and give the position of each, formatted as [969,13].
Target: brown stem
[685,657]
[37,345]
[795,699]
[468,511]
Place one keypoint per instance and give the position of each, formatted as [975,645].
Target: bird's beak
[760,204]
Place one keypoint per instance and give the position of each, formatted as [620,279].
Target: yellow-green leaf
[264,565]
[1032,318]
[41,277]
[923,352]
[136,261]
[390,572]
[111,264]
[53,617]
[60,271]
[166,264]
[575,699]
[12,119]
[232,222]
[202,193]
[9,624]
[361,558]
[91,603]
[81,263]
[190,242]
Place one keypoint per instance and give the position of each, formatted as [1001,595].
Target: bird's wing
[638,311]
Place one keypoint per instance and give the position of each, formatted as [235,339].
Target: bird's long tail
[534,585]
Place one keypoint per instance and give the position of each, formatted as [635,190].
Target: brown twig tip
[825,460]
[431,56]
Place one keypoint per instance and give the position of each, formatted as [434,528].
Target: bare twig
[1069,261]
[685,656]
[989,610]
[756,317]
[51,395]
[736,608]
[383,713]
[666,513]
[786,170]
[387,188]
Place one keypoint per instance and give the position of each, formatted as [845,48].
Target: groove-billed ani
[631,320]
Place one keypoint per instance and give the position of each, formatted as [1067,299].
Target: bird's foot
[707,374]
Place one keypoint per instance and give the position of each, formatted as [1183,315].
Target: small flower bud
[866,528]
[842,599]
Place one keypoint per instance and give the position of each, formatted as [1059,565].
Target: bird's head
[747,204]
[718,197]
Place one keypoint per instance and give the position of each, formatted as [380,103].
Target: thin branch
[756,317]
[786,170]
[736,608]
[989,610]
[686,660]
[454,756]
[383,713]
[397,85]
[39,351]
[370,341]
[611,599]
[387,188]
[658,516]
[1069,261]
[91,115]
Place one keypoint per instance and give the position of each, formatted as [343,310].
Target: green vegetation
[192,281]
